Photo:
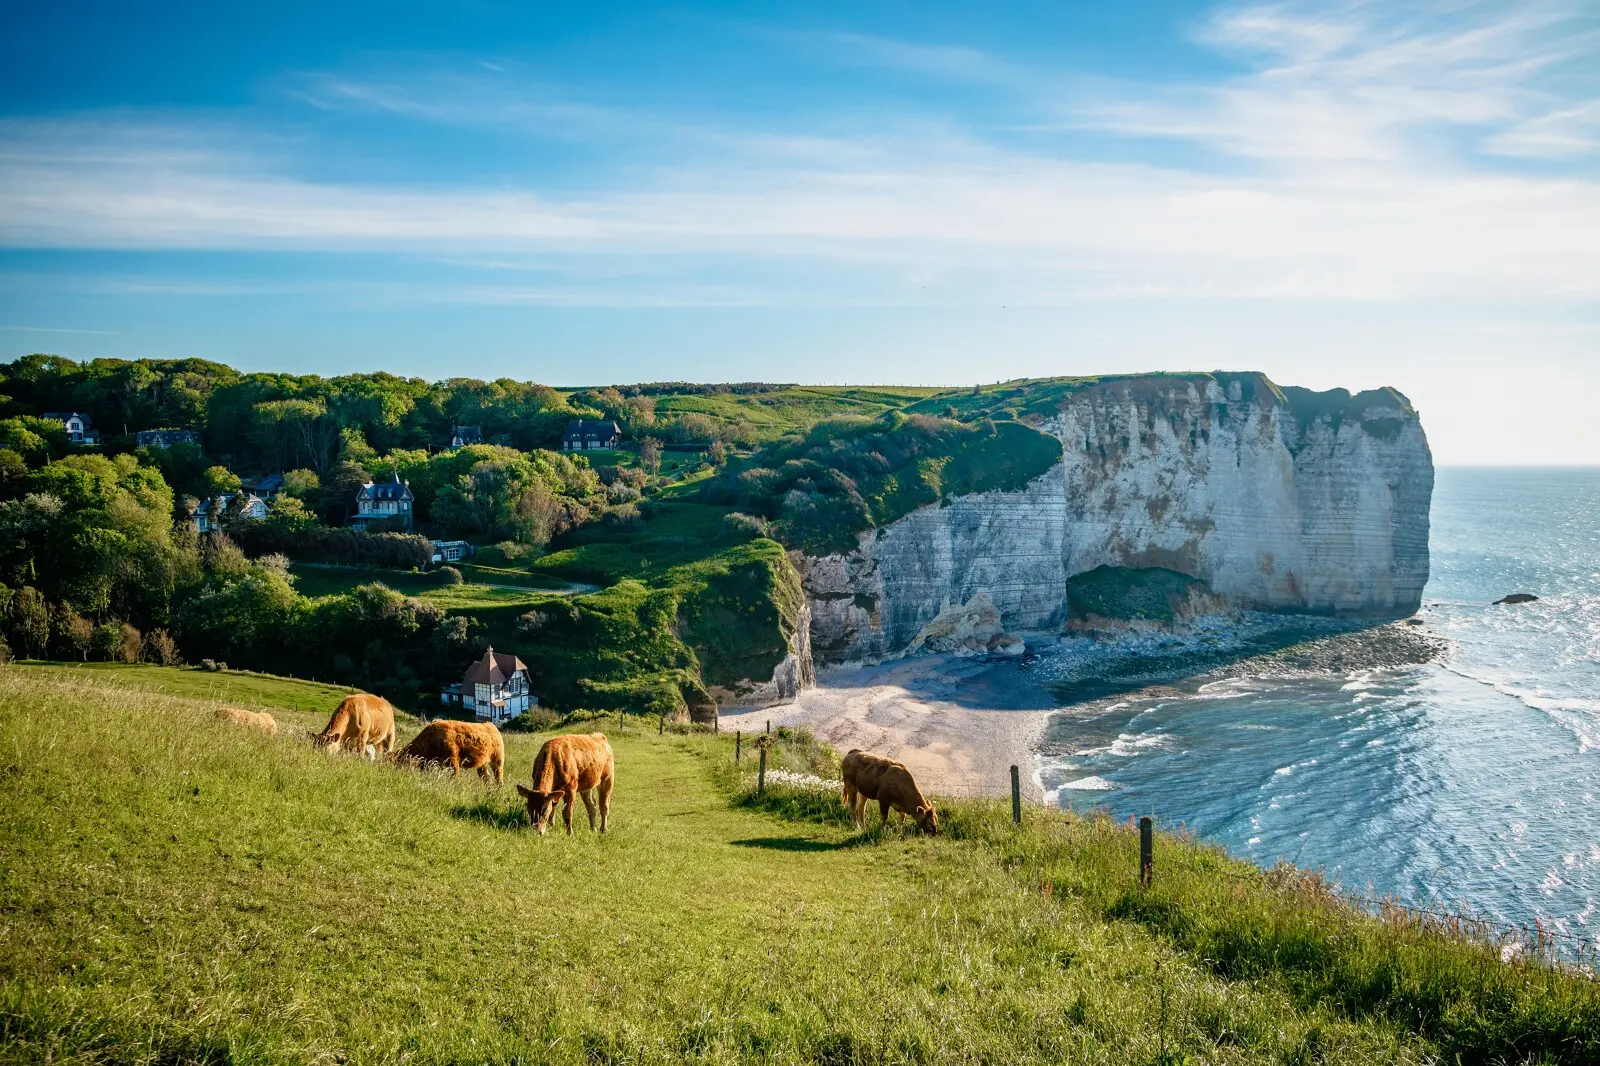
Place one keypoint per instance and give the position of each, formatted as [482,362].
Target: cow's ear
[921,810]
[527,793]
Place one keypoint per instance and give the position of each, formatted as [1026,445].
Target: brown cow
[872,777]
[475,745]
[362,723]
[567,766]
[249,719]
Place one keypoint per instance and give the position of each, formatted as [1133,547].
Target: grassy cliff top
[176,890]
[822,488]
[1034,398]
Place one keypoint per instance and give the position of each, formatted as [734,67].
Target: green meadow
[176,890]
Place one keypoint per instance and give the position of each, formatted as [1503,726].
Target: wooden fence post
[769,727]
[761,775]
[716,719]
[1146,851]
[738,743]
[1016,796]
[661,731]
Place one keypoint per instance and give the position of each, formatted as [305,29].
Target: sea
[1468,785]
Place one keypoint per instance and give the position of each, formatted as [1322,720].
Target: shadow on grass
[800,843]
[488,814]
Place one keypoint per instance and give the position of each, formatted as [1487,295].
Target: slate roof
[270,484]
[581,432]
[493,669]
[467,434]
[166,438]
[387,490]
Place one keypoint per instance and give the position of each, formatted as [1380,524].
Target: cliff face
[1278,499]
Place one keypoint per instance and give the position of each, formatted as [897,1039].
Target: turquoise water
[1473,783]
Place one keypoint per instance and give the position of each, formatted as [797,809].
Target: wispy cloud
[1365,159]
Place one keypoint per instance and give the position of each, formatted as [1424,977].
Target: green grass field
[235,688]
[678,533]
[329,581]
[176,890]
[772,414]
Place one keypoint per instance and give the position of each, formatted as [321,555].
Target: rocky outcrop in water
[1278,499]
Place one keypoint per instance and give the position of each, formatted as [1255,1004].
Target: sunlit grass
[173,889]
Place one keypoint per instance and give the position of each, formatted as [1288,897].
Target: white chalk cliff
[1278,499]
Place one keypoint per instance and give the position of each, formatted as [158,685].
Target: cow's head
[927,819]
[541,807]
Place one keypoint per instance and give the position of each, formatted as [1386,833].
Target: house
[461,436]
[80,430]
[581,436]
[494,688]
[451,551]
[383,501]
[211,513]
[166,438]
[266,487]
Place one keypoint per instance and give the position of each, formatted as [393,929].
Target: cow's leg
[883,811]
[566,812]
[497,764]
[605,803]
[455,763]
[858,811]
[849,801]
[587,795]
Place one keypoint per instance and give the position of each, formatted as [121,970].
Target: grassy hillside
[236,688]
[176,890]
[467,597]
[773,414]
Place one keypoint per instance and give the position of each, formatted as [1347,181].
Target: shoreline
[959,723]
[942,715]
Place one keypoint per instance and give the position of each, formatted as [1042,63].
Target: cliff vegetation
[821,489]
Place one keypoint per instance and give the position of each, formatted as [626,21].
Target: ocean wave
[1089,784]
[1579,716]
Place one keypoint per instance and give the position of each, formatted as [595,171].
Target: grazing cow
[475,745]
[872,777]
[362,723]
[249,719]
[570,766]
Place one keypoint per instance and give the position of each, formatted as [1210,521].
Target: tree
[218,481]
[30,621]
[717,454]
[302,484]
[74,632]
[288,515]
[650,455]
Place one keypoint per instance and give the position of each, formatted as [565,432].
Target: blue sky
[1338,194]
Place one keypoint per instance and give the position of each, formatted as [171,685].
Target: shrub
[745,525]
[160,648]
[533,720]
[448,575]
[508,553]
